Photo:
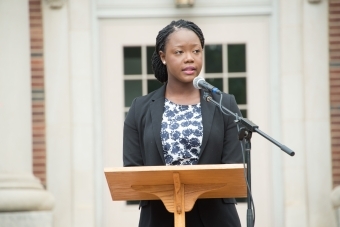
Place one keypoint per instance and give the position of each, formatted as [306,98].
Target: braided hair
[158,67]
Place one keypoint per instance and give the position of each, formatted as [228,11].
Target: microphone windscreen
[196,81]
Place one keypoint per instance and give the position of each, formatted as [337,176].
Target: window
[138,75]
[225,68]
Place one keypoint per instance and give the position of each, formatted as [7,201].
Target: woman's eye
[196,51]
[178,52]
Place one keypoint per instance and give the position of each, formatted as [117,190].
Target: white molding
[97,119]
[111,13]
[277,176]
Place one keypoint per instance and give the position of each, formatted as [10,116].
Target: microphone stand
[245,133]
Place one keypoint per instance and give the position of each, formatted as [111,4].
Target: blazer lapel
[157,109]
[208,110]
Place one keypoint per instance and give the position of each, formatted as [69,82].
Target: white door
[236,59]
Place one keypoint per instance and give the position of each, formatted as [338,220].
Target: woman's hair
[158,67]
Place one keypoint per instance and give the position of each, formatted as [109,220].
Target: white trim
[237,75]
[144,71]
[277,190]
[111,13]
[97,120]
[225,67]
[242,106]
[225,74]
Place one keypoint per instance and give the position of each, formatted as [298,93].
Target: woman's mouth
[189,70]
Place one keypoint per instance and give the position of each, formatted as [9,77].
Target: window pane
[237,87]
[153,85]
[149,53]
[132,202]
[132,60]
[213,58]
[217,82]
[241,200]
[236,58]
[244,113]
[133,89]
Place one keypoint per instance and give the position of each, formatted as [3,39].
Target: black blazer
[142,146]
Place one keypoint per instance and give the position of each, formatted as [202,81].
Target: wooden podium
[177,186]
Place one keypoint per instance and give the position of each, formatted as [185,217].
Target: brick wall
[38,90]
[334,79]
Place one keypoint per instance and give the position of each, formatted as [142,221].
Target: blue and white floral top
[181,133]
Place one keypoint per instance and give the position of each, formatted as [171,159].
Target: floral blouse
[181,133]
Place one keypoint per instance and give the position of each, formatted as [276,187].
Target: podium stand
[177,186]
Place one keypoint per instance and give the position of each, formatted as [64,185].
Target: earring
[164,62]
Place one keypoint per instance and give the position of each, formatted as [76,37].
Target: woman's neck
[183,95]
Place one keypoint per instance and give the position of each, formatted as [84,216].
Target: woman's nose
[189,57]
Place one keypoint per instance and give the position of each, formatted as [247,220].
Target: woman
[175,126]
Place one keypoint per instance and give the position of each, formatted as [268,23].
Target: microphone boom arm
[250,125]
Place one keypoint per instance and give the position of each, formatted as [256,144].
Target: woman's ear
[162,56]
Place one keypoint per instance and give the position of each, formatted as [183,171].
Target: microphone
[200,83]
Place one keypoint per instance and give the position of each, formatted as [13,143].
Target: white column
[58,112]
[69,98]
[83,157]
[19,189]
[293,113]
[317,114]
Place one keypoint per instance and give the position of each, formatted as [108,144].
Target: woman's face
[183,56]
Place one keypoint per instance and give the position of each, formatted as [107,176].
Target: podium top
[121,179]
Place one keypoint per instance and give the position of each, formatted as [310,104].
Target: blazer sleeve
[132,155]
[232,152]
